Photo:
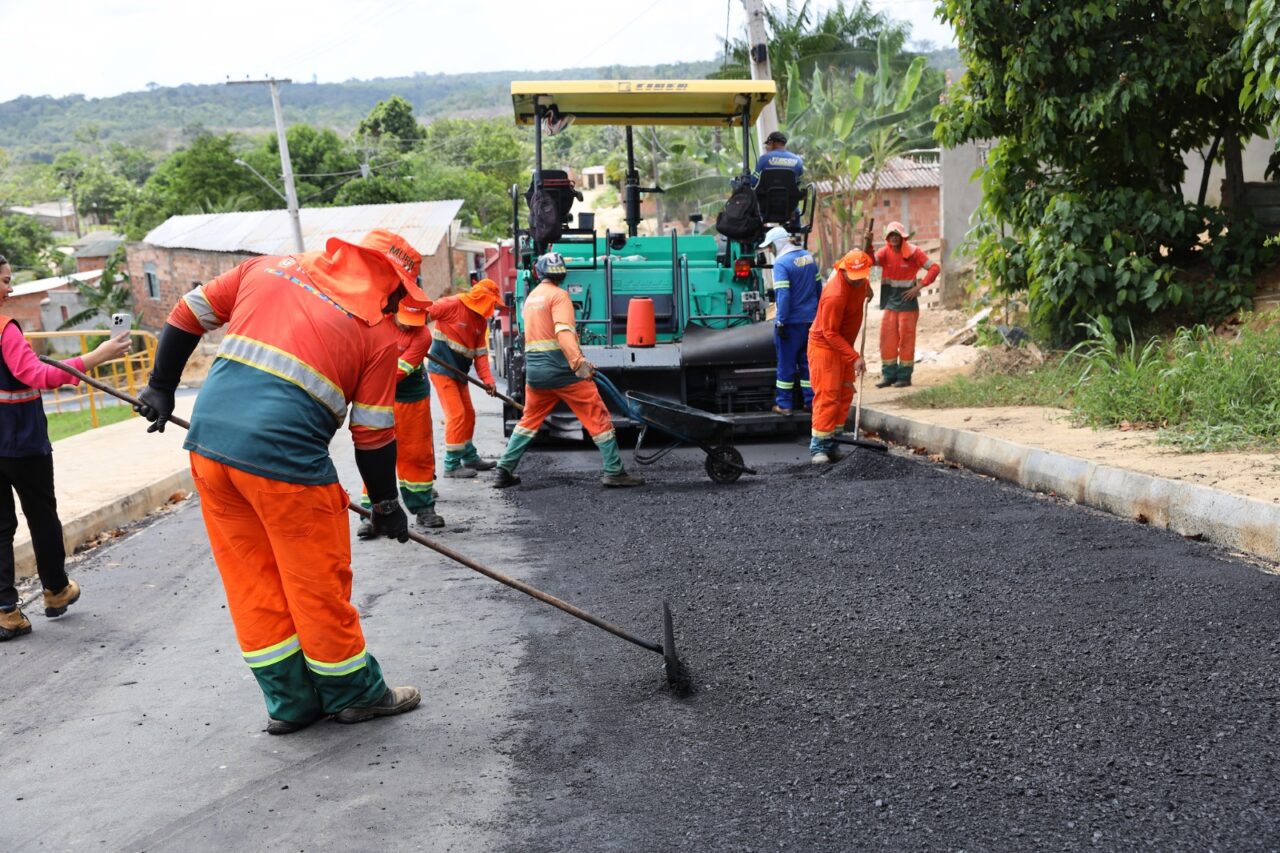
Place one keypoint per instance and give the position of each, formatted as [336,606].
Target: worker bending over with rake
[305,339]
[833,362]
[900,262]
[415,453]
[461,325]
[555,371]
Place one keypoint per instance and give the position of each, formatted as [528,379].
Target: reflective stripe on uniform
[26,395]
[899,283]
[820,434]
[288,367]
[416,487]
[541,346]
[606,436]
[273,654]
[782,285]
[457,347]
[352,664]
[805,383]
[785,386]
[199,305]
[405,366]
[373,417]
[565,327]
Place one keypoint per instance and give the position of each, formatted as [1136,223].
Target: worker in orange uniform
[461,325]
[833,362]
[900,262]
[305,339]
[555,371]
[415,453]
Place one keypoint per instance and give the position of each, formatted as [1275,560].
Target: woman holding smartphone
[26,464]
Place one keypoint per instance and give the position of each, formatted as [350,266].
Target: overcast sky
[104,47]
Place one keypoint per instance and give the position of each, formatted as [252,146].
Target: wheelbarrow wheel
[724,464]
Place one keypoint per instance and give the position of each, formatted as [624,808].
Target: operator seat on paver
[557,184]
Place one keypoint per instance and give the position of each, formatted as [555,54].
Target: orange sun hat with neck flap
[360,277]
[482,298]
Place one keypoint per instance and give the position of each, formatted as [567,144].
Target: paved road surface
[891,656]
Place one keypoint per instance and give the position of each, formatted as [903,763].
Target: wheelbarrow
[683,425]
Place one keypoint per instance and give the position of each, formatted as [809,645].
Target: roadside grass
[1202,392]
[66,424]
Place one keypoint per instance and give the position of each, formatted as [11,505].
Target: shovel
[858,440]
[678,675]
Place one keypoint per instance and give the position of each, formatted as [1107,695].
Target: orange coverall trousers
[832,380]
[898,343]
[284,553]
[459,418]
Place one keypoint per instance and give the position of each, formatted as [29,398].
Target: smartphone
[121,323]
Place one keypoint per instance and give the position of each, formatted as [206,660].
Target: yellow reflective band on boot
[344,667]
[273,654]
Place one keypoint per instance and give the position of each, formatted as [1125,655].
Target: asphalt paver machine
[713,348]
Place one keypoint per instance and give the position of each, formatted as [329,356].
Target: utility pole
[291,192]
[758,48]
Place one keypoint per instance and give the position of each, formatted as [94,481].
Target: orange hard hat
[855,265]
[412,312]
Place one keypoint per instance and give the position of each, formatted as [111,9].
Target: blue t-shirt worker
[796,291]
[776,156]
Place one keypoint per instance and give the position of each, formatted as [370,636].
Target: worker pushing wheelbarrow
[683,424]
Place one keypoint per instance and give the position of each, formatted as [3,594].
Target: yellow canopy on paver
[645,102]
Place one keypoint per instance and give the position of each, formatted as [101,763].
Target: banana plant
[844,125]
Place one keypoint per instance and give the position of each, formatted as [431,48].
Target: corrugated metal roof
[97,244]
[900,173]
[268,232]
[46,284]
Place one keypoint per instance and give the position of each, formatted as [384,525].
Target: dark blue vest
[23,428]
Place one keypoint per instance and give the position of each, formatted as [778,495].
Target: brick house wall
[26,310]
[90,264]
[179,270]
[918,208]
[176,271]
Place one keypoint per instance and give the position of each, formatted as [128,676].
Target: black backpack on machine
[740,219]
[544,217]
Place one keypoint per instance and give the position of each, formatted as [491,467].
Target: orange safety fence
[127,374]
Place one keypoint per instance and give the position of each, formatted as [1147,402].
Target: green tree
[111,295]
[1092,107]
[491,146]
[28,245]
[1260,47]
[391,121]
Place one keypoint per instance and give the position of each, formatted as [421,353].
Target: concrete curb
[76,531]
[1245,524]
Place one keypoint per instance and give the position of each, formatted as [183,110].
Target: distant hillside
[39,128]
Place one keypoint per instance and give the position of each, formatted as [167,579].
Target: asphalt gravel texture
[888,655]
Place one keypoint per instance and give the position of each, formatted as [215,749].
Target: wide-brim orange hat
[855,264]
[396,251]
[412,312]
[482,298]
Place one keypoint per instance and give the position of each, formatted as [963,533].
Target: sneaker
[462,473]
[56,603]
[902,383]
[396,700]
[778,410]
[482,465]
[884,383]
[13,624]
[622,479]
[505,479]
[366,531]
[284,727]
[819,459]
[429,518]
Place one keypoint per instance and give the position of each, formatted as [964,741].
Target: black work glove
[391,521]
[156,405]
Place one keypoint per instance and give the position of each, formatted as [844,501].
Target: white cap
[775,234]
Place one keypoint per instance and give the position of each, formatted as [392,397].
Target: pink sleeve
[22,362]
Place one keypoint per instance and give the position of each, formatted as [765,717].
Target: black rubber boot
[902,383]
[622,479]
[430,518]
[482,465]
[284,727]
[505,479]
[884,382]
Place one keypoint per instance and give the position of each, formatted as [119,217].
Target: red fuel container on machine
[641,327]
